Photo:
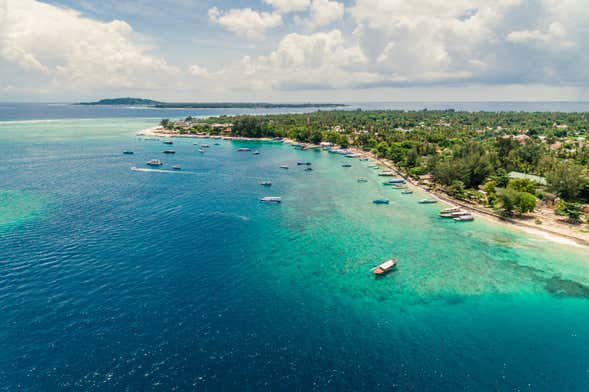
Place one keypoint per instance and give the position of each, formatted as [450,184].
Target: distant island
[207,105]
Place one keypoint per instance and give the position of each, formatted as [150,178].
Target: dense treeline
[465,152]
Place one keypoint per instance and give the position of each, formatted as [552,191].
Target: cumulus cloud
[324,12]
[74,51]
[286,6]
[245,21]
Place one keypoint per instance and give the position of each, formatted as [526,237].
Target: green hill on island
[122,101]
[208,105]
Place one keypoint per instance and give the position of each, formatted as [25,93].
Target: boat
[427,201]
[451,209]
[380,201]
[256,153]
[201,150]
[407,192]
[169,152]
[308,169]
[363,159]
[346,165]
[385,267]
[217,144]
[244,149]
[154,162]
[464,218]
[350,156]
[394,181]
[127,152]
[266,183]
[303,163]
[283,167]
[271,199]
[374,167]
[452,214]
[176,167]
[362,179]
[386,174]
[168,142]
[204,146]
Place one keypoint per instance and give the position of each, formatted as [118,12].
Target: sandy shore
[550,229]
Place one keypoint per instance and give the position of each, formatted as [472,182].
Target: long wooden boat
[385,267]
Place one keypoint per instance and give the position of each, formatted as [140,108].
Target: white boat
[243,149]
[362,179]
[154,162]
[176,167]
[464,218]
[427,201]
[451,209]
[271,199]
[283,167]
[201,150]
[385,267]
[386,173]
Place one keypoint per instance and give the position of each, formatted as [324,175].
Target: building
[531,177]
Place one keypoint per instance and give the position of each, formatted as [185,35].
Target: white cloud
[555,34]
[245,21]
[286,6]
[74,51]
[324,12]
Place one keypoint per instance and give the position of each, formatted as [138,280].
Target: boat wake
[141,169]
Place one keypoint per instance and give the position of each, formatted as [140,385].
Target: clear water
[112,279]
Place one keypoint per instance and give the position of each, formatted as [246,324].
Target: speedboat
[256,153]
[303,163]
[451,214]
[176,167]
[346,165]
[244,149]
[385,267]
[127,152]
[204,146]
[407,192]
[168,142]
[386,173]
[266,183]
[283,167]
[169,152]
[464,218]
[380,201]
[394,181]
[271,199]
[451,209]
[427,201]
[154,162]
[362,179]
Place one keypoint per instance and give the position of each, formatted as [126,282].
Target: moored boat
[176,167]
[450,209]
[204,145]
[154,162]
[266,183]
[256,153]
[386,173]
[346,165]
[381,201]
[427,201]
[271,199]
[308,169]
[128,152]
[201,150]
[169,152]
[168,142]
[452,214]
[464,218]
[244,149]
[407,192]
[301,163]
[362,179]
[385,267]
[283,166]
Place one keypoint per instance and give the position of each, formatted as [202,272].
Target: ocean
[113,279]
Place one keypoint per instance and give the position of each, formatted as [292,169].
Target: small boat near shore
[271,199]
[308,169]
[283,166]
[169,152]
[386,174]
[362,179]
[168,142]
[244,149]
[301,163]
[450,209]
[464,218]
[385,267]
[427,201]
[452,214]
[407,192]
[128,152]
[256,153]
[381,201]
[154,162]
[266,183]
[204,146]
[346,165]
[176,167]
[201,150]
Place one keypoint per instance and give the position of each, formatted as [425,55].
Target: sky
[294,50]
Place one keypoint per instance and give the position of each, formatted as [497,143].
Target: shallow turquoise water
[113,279]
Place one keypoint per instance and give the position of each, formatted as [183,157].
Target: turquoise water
[114,279]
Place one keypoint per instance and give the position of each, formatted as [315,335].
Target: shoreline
[560,234]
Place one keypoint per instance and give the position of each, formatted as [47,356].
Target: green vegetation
[123,101]
[243,105]
[467,154]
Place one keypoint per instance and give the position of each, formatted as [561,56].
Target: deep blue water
[43,111]
[112,279]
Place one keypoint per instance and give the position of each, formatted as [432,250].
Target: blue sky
[294,50]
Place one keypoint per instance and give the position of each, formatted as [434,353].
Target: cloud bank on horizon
[292,49]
